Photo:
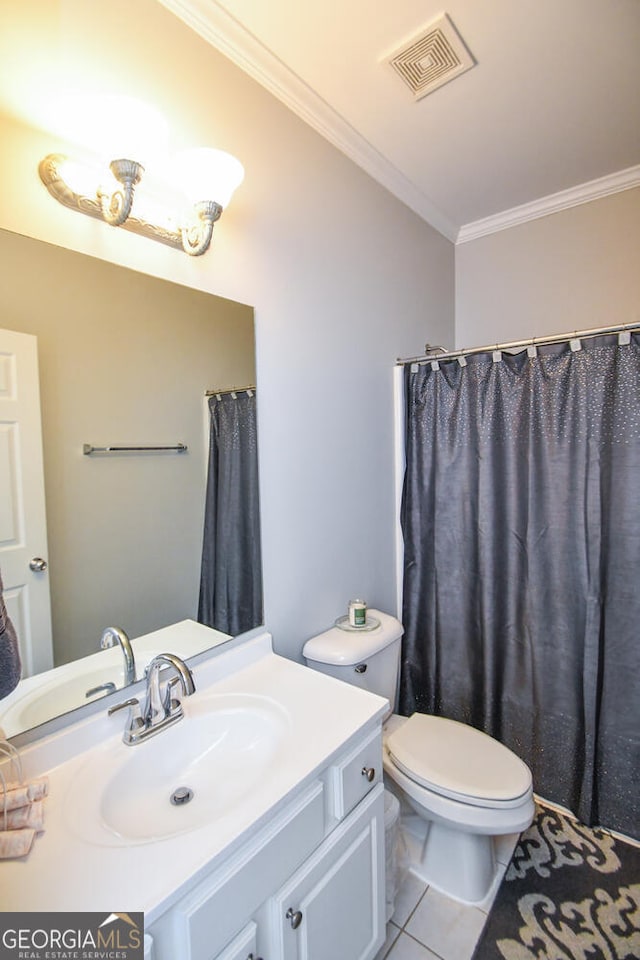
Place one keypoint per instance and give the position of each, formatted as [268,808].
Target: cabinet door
[207,918]
[243,947]
[333,906]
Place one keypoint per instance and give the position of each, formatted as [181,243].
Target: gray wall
[572,270]
[343,278]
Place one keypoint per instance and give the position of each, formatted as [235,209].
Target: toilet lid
[457,760]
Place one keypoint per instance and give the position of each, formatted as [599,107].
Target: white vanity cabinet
[332,906]
[243,947]
[307,886]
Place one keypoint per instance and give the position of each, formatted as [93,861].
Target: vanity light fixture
[182,218]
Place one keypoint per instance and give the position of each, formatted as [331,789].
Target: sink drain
[181,796]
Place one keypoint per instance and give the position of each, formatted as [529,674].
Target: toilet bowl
[465,787]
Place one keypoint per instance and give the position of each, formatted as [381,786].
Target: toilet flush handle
[361,668]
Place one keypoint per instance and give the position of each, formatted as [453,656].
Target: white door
[23,528]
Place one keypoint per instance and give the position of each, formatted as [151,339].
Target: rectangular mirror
[123,359]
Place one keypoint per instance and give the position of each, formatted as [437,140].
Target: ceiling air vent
[433,58]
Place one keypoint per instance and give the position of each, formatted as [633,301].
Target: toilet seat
[459,762]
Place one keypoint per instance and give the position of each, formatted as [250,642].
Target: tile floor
[427,925]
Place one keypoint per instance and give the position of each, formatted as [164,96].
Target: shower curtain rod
[215,393]
[439,353]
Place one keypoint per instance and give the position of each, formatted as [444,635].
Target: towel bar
[88,448]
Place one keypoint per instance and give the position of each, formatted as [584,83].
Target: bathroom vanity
[279,853]
[307,885]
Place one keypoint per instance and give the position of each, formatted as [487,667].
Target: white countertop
[66,872]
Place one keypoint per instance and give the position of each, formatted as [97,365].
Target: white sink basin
[223,749]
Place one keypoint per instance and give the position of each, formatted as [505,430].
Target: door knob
[38,565]
[369,773]
[295,916]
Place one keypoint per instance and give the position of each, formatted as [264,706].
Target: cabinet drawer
[206,919]
[242,947]
[357,774]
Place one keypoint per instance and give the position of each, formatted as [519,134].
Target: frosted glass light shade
[137,131]
[112,127]
[83,177]
[207,174]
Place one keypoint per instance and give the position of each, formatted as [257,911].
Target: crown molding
[554,203]
[215,25]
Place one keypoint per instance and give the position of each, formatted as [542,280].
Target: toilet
[464,788]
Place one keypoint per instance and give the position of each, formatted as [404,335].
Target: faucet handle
[134,720]
[133,702]
[133,727]
[105,688]
[168,701]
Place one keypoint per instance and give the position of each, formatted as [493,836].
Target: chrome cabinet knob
[38,565]
[295,916]
[369,773]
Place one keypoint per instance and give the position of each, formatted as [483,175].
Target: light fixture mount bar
[49,170]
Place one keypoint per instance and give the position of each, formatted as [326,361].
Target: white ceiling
[553,103]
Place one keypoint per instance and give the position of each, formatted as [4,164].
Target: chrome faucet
[161,709]
[116,635]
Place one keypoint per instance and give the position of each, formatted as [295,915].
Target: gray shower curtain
[231,575]
[521,524]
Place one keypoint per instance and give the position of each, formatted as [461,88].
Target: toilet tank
[367,658]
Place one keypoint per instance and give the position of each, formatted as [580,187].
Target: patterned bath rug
[570,893]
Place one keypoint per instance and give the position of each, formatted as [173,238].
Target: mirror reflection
[123,360]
